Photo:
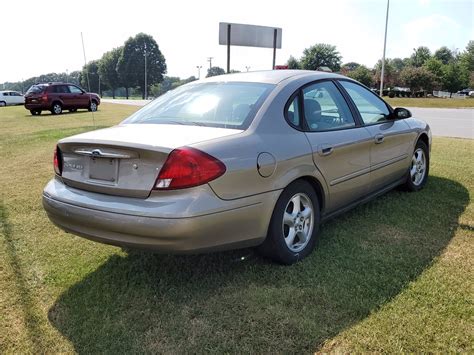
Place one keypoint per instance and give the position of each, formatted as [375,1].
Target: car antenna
[87,76]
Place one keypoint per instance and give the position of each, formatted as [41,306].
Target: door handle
[325,149]
[379,138]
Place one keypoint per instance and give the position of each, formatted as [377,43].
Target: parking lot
[385,275]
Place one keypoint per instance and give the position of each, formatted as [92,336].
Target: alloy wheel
[418,167]
[298,222]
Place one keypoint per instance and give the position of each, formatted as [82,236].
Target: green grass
[430,102]
[392,275]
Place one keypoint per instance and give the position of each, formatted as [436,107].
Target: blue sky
[45,36]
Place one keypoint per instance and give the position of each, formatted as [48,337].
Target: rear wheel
[293,230]
[73,110]
[93,106]
[419,167]
[3,104]
[56,109]
[35,112]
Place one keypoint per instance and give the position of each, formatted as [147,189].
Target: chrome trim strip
[100,154]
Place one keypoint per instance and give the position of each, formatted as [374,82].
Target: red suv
[56,97]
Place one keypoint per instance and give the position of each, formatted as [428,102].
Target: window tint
[36,89]
[75,89]
[227,105]
[371,108]
[293,112]
[325,109]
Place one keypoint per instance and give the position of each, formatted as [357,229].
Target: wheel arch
[318,188]
[424,138]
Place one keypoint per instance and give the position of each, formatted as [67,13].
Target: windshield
[226,105]
[36,89]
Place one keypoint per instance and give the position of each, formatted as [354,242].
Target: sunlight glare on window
[203,104]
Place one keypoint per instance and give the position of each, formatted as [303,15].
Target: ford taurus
[250,159]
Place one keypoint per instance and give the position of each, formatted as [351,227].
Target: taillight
[188,167]
[58,161]
[44,98]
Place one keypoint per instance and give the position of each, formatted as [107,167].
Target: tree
[455,77]
[398,64]
[293,63]
[362,74]
[418,78]
[108,69]
[348,67]
[444,55]
[467,57]
[436,67]
[321,55]
[420,56]
[214,71]
[90,75]
[390,77]
[131,63]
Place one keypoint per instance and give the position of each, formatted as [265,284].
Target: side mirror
[401,113]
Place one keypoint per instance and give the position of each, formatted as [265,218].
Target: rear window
[36,89]
[226,105]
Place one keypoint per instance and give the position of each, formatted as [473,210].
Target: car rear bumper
[233,224]
[36,106]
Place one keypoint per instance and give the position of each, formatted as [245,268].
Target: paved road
[447,122]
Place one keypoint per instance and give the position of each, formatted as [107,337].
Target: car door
[81,99]
[18,98]
[63,93]
[340,146]
[392,139]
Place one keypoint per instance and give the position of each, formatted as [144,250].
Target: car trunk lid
[125,160]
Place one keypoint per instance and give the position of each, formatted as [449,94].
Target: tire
[73,110]
[419,168]
[284,242]
[35,112]
[93,106]
[3,104]
[56,109]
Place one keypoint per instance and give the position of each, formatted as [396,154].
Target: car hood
[158,136]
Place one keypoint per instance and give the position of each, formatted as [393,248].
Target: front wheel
[293,231]
[419,167]
[3,104]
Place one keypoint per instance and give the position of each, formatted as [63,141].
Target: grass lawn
[430,102]
[394,275]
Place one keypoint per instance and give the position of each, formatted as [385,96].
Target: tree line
[121,71]
[423,71]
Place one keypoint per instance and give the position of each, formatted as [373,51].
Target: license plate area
[103,170]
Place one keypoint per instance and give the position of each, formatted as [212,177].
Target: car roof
[271,76]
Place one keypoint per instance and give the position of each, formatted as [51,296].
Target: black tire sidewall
[275,246]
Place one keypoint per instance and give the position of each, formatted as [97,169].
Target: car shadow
[238,302]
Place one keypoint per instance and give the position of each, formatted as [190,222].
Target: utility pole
[199,71]
[209,59]
[146,94]
[384,47]
[67,76]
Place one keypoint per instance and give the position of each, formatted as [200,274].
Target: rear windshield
[226,105]
[36,89]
